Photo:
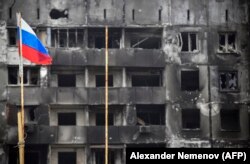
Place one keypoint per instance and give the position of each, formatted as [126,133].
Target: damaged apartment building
[178,77]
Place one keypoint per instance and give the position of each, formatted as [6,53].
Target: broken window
[146,80]
[66,80]
[190,41]
[66,119]
[99,156]
[100,80]
[230,119]
[190,118]
[67,37]
[66,157]
[144,38]
[30,75]
[100,119]
[190,80]
[228,81]
[150,114]
[227,42]
[96,38]
[12,35]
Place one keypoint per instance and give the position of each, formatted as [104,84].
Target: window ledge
[191,129]
[18,85]
[230,91]
[190,52]
[230,130]
[228,53]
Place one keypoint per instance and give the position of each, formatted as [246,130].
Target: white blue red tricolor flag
[32,48]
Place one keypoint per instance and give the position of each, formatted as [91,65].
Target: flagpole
[20,114]
[106,94]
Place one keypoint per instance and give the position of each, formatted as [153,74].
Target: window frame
[55,37]
[226,34]
[28,76]
[190,41]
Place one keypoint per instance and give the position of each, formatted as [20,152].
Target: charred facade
[179,77]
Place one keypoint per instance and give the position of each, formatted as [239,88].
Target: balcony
[88,134]
[117,57]
[91,96]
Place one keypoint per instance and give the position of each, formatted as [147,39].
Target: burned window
[30,113]
[227,42]
[146,80]
[66,80]
[190,42]
[143,38]
[30,76]
[230,120]
[228,81]
[190,80]
[99,156]
[100,80]
[12,36]
[96,38]
[66,157]
[66,119]
[190,118]
[150,114]
[100,119]
[67,37]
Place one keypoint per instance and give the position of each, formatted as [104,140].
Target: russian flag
[32,48]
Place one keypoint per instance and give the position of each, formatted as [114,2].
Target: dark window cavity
[159,15]
[228,81]
[226,15]
[133,14]
[188,15]
[190,42]
[67,119]
[100,156]
[71,37]
[190,80]
[30,75]
[31,112]
[66,80]
[146,80]
[12,36]
[96,38]
[100,80]
[32,157]
[227,43]
[190,118]
[100,119]
[105,14]
[38,13]
[150,114]
[230,120]
[66,157]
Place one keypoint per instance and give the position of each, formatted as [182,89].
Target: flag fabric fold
[32,48]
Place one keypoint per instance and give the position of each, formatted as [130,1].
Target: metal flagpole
[20,113]
[106,95]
